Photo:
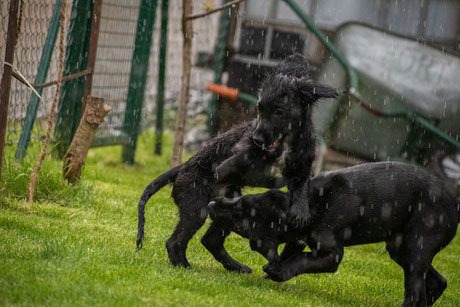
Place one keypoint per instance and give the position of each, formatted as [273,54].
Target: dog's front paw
[277,272]
[221,174]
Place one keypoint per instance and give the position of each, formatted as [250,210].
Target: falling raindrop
[245,223]
[203,213]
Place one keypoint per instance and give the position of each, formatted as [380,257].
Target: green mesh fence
[34,22]
[113,64]
[113,61]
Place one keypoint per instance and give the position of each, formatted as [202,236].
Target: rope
[51,117]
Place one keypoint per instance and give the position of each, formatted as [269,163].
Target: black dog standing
[272,151]
[400,204]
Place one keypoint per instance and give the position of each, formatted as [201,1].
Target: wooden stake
[75,157]
[5,85]
[187,32]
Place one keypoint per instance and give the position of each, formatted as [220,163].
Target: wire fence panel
[113,63]
[34,22]
[205,32]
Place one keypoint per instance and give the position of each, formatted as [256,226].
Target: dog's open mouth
[275,144]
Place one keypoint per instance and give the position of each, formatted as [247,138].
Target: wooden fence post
[5,85]
[187,32]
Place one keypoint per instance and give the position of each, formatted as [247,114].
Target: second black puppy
[402,205]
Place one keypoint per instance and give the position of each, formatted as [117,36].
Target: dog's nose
[258,140]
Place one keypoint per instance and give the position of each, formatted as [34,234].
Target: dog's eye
[279,112]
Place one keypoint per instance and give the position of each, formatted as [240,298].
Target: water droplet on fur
[386,211]
[347,233]
[245,223]
[398,240]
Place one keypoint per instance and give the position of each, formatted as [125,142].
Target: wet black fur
[243,157]
[400,204]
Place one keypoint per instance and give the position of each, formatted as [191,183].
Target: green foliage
[76,246]
[50,187]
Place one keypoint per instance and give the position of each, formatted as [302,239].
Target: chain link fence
[113,62]
[33,23]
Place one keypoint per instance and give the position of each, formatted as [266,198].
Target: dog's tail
[149,191]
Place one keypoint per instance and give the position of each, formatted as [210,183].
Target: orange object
[223,91]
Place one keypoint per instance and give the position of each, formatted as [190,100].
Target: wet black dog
[402,205]
[278,149]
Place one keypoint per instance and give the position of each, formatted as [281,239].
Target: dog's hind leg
[214,240]
[435,285]
[189,223]
[402,251]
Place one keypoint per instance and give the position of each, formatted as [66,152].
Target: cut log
[75,158]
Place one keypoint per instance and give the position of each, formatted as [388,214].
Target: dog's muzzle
[260,143]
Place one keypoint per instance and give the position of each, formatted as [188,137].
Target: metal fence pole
[161,77]
[42,72]
[219,62]
[138,77]
[5,85]
[76,59]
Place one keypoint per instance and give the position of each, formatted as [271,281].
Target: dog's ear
[314,91]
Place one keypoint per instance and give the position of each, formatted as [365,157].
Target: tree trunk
[187,32]
[75,157]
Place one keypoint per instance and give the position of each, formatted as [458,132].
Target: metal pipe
[42,72]
[138,77]
[219,62]
[161,77]
[64,79]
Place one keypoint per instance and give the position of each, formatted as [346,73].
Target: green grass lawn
[76,246]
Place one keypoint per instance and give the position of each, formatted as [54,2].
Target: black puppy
[278,150]
[400,204]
